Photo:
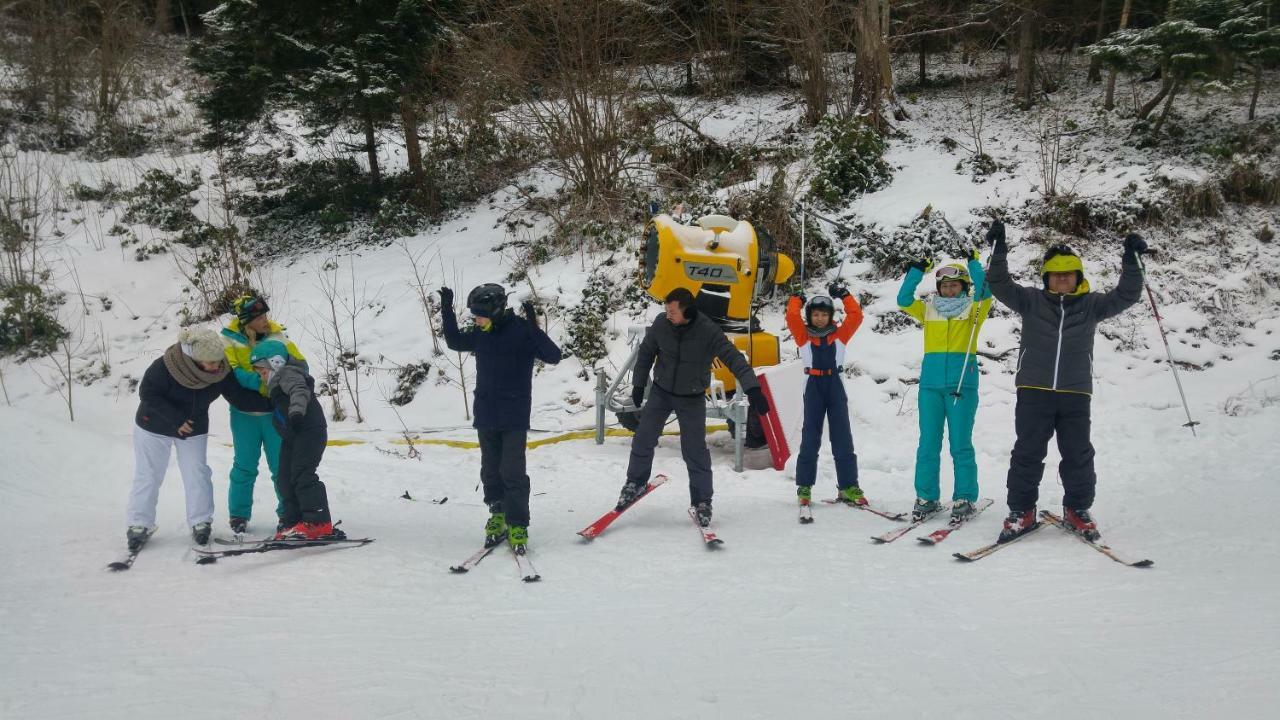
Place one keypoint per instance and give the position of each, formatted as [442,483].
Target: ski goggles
[821,302]
[951,273]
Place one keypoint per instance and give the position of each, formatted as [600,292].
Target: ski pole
[973,320]
[1168,353]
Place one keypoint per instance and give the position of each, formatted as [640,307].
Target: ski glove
[923,265]
[1134,245]
[530,312]
[995,234]
[295,423]
[837,291]
[637,394]
[446,297]
[759,403]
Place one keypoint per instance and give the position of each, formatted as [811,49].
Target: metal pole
[1168,353]
[802,248]
[973,315]
[600,406]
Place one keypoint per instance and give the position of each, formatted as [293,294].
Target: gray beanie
[201,344]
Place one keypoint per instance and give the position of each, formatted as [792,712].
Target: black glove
[836,291]
[995,234]
[530,312]
[637,394]
[295,423]
[803,299]
[759,403]
[1134,245]
[923,265]
[446,297]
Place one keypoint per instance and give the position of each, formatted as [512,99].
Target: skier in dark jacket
[679,347]
[505,347]
[173,414]
[1055,375]
[298,417]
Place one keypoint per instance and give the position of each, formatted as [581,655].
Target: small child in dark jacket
[506,347]
[297,415]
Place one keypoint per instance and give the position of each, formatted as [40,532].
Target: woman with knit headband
[173,414]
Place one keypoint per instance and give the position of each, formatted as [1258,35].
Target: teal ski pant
[938,407]
[251,435]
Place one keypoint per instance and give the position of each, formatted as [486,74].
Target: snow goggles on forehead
[948,272]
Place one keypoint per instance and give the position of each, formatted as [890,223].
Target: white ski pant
[151,459]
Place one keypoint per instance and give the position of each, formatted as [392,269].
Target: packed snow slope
[785,620]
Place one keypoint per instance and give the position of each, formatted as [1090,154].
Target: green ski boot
[518,537]
[853,495]
[496,529]
[804,493]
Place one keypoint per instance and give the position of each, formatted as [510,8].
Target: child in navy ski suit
[822,344]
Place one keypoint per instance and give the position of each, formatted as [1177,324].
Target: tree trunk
[873,75]
[1257,87]
[163,21]
[923,62]
[1110,101]
[1168,103]
[1026,82]
[409,120]
[371,150]
[1095,64]
[1151,104]
[688,76]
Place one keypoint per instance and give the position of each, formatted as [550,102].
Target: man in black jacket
[505,347]
[1055,375]
[679,347]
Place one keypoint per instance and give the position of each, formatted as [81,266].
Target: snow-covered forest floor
[645,623]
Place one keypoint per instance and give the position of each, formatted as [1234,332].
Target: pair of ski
[594,530]
[806,510]
[1049,518]
[527,571]
[253,546]
[126,560]
[938,535]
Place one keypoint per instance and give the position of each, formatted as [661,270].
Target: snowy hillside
[785,619]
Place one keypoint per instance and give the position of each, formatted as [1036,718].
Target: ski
[806,514]
[900,517]
[126,561]
[272,545]
[201,557]
[896,533]
[1056,521]
[941,534]
[593,530]
[708,536]
[527,573]
[982,552]
[479,555]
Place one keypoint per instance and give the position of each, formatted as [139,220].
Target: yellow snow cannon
[728,266]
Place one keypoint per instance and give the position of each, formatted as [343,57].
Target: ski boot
[313,531]
[1017,523]
[961,510]
[804,493]
[1081,522]
[239,525]
[137,536]
[496,529]
[200,533]
[923,509]
[853,495]
[630,493]
[518,538]
[702,511]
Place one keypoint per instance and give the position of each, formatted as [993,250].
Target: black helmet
[488,300]
[820,302]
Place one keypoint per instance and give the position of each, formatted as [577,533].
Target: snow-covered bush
[928,236]
[587,320]
[849,159]
[162,200]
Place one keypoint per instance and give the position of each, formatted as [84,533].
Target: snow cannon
[727,266]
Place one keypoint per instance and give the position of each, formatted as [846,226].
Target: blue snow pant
[938,407]
[251,435]
[824,398]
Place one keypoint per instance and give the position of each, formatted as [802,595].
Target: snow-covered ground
[784,620]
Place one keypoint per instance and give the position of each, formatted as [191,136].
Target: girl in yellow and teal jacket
[252,434]
[952,320]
